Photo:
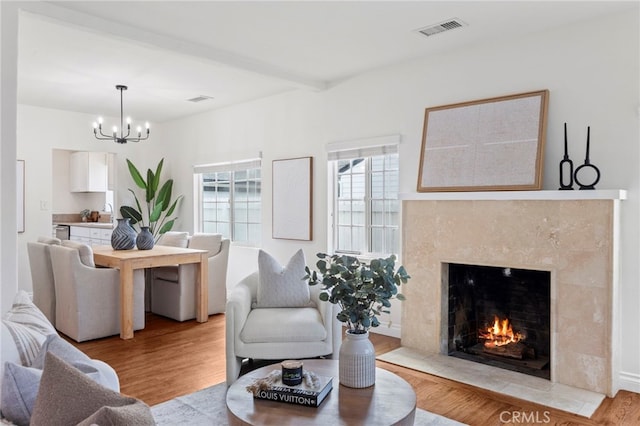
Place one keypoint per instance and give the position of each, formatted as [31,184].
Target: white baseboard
[630,382]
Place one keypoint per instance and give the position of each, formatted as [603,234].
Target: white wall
[591,70]
[8,211]
[41,132]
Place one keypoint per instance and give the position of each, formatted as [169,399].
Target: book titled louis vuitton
[302,394]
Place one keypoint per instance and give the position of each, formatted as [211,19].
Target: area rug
[208,407]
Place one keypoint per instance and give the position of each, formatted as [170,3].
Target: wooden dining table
[129,260]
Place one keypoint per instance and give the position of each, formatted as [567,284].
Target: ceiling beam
[147,38]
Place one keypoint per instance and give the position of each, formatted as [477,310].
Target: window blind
[230,166]
[358,148]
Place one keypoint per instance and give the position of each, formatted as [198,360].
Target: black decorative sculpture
[587,165]
[566,163]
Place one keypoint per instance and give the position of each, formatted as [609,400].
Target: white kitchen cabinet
[88,171]
[90,235]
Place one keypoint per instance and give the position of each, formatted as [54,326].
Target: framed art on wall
[293,198]
[484,145]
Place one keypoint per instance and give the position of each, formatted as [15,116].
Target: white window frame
[227,167]
[348,150]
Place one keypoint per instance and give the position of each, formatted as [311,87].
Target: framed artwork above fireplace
[484,145]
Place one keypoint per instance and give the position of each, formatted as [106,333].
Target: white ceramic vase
[357,361]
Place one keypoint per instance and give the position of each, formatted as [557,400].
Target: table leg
[126,301]
[202,289]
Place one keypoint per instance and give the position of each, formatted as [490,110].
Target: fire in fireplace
[500,316]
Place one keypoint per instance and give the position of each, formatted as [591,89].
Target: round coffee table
[391,401]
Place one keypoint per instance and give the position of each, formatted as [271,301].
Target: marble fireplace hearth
[573,236]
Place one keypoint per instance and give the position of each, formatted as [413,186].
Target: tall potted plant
[363,291]
[158,206]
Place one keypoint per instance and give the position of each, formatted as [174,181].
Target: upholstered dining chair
[173,291]
[44,293]
[88,298]
[264,327]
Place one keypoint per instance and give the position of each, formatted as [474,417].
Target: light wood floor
[169,359]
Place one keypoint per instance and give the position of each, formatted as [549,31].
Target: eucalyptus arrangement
[158,204]
[362,290]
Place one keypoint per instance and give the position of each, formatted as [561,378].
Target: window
[366,210]
[230,200]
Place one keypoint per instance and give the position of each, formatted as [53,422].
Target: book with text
[300,394]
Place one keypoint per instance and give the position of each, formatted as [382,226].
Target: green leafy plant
[158,204]
[362,290]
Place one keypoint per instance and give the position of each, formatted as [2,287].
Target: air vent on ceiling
[200,98]
[447,25]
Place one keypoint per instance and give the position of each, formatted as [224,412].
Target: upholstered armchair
[44,293]
[173,291]
[273,333]
[88,298]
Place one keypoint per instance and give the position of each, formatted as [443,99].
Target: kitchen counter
[101,225]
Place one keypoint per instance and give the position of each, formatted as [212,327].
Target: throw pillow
[20,384]
[20,388]
[19,391]
[60,347]
[282,287]
[28,327]
[68,397]
[84,250]
[174,239]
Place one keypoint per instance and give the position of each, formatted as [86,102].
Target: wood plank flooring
[169,359]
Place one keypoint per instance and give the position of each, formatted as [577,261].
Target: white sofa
[23,332]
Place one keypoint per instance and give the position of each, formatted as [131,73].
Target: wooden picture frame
[292,199]
[20,195]
[485,145]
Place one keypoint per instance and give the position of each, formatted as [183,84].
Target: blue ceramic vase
[123,236]
[144,240]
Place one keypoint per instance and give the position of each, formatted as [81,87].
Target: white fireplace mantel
[598,194]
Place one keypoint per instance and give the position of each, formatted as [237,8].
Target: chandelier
[122,138]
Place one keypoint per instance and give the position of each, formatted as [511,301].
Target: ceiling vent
[200,98]
[447,25]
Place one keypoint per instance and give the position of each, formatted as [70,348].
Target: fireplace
[500,316]
[575,240]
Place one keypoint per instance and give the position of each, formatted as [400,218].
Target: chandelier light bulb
[95,125]
[115,129]
[128,120]
[100,120]
[147,125]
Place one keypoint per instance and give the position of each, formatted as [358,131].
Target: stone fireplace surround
[572,234]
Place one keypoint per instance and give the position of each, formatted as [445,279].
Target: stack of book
[300,394]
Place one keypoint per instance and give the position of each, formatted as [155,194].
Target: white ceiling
[72,54]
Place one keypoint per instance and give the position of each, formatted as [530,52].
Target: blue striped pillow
[28,327]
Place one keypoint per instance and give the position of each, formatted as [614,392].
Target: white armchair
[44,293]
[277,333]
[88,298]
[173,292]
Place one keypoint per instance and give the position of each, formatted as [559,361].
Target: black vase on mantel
[144,240]
[123,236]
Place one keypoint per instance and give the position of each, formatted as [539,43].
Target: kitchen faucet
[110,211]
